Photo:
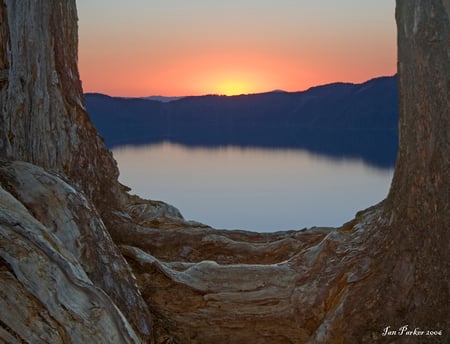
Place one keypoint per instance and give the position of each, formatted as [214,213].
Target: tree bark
[411,241]
[43,114]
[388,267]
[418,203]
[43,121]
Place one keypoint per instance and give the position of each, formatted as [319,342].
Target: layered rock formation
[63,213]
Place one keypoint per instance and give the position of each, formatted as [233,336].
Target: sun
[231,80]
[234,87]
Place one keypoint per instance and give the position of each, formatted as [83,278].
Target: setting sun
[234,87]
[228,49]
[232,76]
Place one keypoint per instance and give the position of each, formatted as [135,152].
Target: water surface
[254,189]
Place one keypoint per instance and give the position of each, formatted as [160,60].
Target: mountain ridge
[82,261]
[164,99]
[338,120]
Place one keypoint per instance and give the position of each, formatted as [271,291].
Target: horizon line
[276,90]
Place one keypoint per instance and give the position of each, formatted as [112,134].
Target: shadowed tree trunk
[388,267]
[43,115]
[43,121]
[410,284]
[418,203]
[4,70]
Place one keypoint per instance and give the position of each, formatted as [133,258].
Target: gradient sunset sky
[194,47]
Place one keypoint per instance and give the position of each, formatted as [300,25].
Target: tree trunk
[410,285]
[43,121]
[418,203]
[43,114]
[387,268]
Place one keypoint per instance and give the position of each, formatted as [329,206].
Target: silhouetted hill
[162,98]
[338,120]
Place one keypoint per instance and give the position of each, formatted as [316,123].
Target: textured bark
[43,108]
[419,193]
[4,68]
[43,121]
[418,202]
[410,244]
[72,219]
[387,267]
[45,294]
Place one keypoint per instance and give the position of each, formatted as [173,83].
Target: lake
[254,189]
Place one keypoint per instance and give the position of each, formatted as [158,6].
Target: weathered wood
[43,110]
[4,73]
[387,267]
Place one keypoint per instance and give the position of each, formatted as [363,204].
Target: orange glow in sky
[231,87]
[178,47]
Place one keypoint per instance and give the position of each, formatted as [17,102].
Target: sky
[138,48]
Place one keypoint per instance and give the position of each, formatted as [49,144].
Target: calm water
[253,189]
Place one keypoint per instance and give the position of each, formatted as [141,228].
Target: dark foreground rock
[81,261]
